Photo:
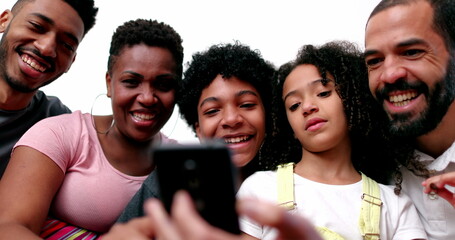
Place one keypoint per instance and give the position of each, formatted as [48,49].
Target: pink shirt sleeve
[47,136]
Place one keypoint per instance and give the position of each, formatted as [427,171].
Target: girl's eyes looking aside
[313,91]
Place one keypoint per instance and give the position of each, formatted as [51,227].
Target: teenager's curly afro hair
[228,60]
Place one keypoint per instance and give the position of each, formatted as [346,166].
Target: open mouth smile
[143,116]
[402,99]
[33,63]
[238,139]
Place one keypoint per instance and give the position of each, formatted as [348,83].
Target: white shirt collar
[441,162]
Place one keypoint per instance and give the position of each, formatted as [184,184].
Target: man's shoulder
[49,105]
[40,107]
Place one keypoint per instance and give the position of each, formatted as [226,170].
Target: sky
[276,28]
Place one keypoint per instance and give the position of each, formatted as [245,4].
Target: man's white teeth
[35,65]
[401,104]
[236,139]
[142,116]
[402,99]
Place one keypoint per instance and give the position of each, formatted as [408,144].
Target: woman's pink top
[93,193]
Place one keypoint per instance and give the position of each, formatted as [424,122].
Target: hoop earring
[168,128]
[93,119]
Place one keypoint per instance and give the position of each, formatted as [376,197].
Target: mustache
[402,85]
[48,60]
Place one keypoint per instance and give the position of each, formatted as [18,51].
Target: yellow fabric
[370,212]
[285,175]
[328,234]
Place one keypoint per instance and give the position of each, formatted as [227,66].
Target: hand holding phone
[207,173]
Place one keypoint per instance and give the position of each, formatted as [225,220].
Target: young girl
[324,96]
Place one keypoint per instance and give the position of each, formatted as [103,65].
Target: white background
[276,28]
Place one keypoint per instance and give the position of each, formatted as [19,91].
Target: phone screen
[207,173]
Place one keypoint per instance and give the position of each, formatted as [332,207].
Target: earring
[93,120]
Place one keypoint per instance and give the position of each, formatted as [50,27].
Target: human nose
[46,45]
[147,97]
[231,117]
[393,71]
[309,108]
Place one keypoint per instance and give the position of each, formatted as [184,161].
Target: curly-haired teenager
[225,94]
[326,120]
[225,90]
[83,169]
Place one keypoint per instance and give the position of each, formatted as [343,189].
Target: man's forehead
[399,23]
[55,12]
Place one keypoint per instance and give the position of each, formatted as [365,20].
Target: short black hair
[85,8]
[150,33]
[443,17]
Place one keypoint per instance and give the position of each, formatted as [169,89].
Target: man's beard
[438,102]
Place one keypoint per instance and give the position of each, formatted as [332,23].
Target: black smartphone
[206,172]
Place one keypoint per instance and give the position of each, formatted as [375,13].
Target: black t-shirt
[13,124]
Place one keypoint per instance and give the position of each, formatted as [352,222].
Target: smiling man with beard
[38,45]
[410,51]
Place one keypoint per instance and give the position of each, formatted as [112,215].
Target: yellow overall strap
[285,184]
[370,212]
[328,234]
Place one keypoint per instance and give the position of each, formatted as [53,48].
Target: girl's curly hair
[373,152]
